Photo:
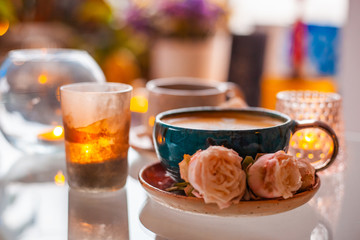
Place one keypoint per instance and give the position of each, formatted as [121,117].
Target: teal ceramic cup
[172,140]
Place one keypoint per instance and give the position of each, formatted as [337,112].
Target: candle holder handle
[319,124]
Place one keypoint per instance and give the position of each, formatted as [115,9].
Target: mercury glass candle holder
[96,121]
[30,113]
[313,144]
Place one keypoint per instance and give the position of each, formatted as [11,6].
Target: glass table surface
[37,204]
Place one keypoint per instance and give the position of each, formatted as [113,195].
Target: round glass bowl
[30,113]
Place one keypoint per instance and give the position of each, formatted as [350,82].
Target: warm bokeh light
[96,143]
[42,79]
[310,140]
[56,134]
[59,178]
[58,131]
[151,121]
[139,104]
[4,27]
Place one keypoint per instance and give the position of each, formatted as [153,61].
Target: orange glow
[57,134]
[151,121]
[160,139]
[310,140]
[59,178]
[42,79]
[139,104]
[96,143]
[304,146]
[310,137]
[4,27]
[271,85]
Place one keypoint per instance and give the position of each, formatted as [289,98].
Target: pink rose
[216,175]
[307,172]
[274,175]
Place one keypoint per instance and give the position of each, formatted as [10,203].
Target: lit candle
[53,136]
[59,178]
[139,104]
[42,79]
[312,144]
[97,154]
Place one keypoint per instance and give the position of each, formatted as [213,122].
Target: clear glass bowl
[30,112]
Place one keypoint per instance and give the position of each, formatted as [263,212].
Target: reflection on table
[34,206]
[98,215]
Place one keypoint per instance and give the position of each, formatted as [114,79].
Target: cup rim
[157,86]
[30,52]
[75,87]
[289,94]
[256,110]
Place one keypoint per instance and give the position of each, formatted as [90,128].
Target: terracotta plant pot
[202,58]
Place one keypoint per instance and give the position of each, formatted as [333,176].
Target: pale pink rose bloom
[274,175]
[216,175]
[307,172]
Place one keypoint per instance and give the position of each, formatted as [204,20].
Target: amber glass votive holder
[96,119]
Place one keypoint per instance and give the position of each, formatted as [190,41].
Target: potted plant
[186,36]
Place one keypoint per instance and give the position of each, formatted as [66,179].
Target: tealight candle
[313,144]
[53,136]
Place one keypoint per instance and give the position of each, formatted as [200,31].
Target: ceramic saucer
[155,180]
[140,140]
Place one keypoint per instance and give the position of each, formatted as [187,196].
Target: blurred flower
[176,18]
[138,19]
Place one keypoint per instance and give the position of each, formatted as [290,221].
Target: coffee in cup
[222,121]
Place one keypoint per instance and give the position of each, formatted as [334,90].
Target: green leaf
[248,161]
[188,190]
[180,186]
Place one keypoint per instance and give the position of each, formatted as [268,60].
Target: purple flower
[177,18]
[138,19]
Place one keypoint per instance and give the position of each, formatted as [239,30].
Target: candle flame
[139,104]
[310,137]
[4,27]
[59,178]
[58,131]
[42,79]
[55,134]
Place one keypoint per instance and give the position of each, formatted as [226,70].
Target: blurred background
[263,46]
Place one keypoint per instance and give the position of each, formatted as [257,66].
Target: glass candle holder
[30,113]
[96,120]
[313,144]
